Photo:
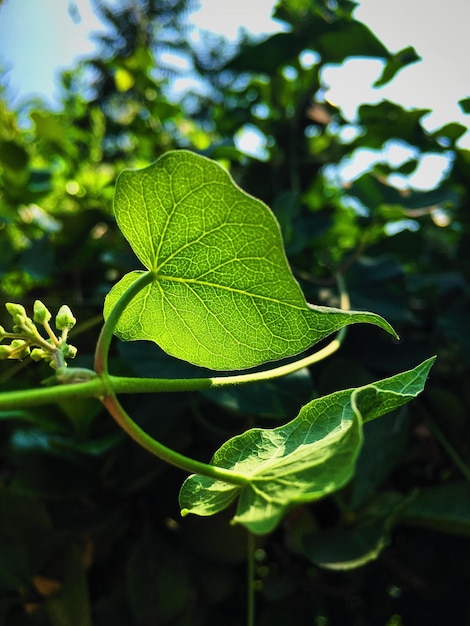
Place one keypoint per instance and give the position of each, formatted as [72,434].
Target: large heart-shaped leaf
[223,296]
[304,460]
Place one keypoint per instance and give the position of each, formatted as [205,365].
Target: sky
[438,29]
[35,55]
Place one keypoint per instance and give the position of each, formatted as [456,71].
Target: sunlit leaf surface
[304,460]
[224,296]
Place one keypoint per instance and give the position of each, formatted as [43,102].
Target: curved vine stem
[122,418]
[106,335]
[112,384]
[167,454]
[100,384]
[123,384]
[157,384]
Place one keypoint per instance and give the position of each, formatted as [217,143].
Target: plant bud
[65,319]
[19,349]
[38,354]
[5,352]
[23,325]
[15,309]
[41,313]
[69,351]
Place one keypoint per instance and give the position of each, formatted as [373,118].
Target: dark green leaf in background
[70,606]
[157,581]
[396,63]
[441,507]
[465,105]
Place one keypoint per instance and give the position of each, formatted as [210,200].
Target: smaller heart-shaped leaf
[304,460]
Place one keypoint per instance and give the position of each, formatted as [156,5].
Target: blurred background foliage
[90,531]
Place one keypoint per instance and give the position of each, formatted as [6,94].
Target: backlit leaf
[304,460]
[223,296]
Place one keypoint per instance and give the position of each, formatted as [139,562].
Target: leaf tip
[382,322]
[185,512]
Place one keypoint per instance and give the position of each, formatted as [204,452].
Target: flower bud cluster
[26,340]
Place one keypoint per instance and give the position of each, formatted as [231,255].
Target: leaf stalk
[167,454]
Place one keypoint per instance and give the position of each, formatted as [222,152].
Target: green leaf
[52,128]
[335,40]
[387,120]
[408,167]
[304,460]
[376,195]
[396,63]
[157,581]
[223,295]
[452,132]
[71,606]
[383,445]
[355,544]
[13,155]
[464,104]
[348,548]
[441,507]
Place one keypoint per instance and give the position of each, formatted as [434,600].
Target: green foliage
[223,295]
[308,458]
[89,522]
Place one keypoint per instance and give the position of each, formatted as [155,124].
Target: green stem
[106,335]
[104,383]
[250,619]
[150,385]
[118,384]
[167,454]
[59,360]
[50,332]
[105,387]
[25,398]
[120,415]
[123,384]
[115,384]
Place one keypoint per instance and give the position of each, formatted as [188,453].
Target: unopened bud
[41,313]
[19,349]
[65,319]
[69,351]
[38,354]
[15,309]
[5,352]
[23,325]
